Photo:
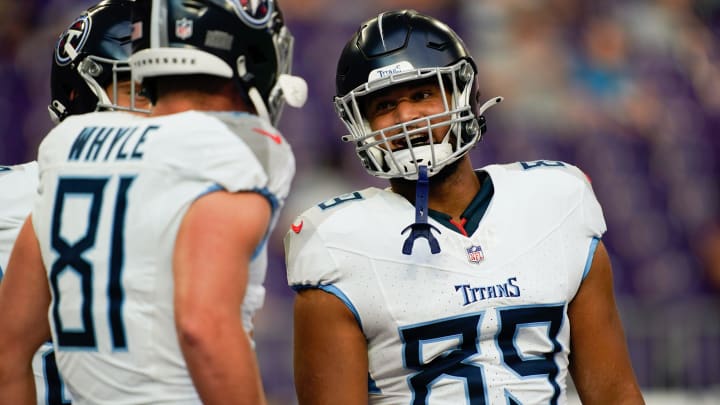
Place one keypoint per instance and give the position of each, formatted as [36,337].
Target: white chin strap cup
[294,90]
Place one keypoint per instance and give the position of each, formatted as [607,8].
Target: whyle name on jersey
[103,143]
[471,294]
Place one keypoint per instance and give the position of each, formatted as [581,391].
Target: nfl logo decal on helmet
[475,254]
[183,28]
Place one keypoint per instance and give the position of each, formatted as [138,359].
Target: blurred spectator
[628,91]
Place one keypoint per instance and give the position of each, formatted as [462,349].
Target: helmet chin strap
[258,103]
[252,93]
[293,90]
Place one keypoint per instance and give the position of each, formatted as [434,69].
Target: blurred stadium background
[628,90]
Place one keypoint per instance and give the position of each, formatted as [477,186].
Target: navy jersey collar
[475,210]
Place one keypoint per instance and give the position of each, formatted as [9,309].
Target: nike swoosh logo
[275,137]
[297,228]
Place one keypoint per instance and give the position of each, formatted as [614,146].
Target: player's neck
[185,100]
[450,194]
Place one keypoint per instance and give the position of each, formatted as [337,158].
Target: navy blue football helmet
[401,47]
[89,55]
[239,39]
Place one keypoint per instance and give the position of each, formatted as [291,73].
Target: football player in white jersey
[453,286]
[18,185]
[146,245]
[89,72]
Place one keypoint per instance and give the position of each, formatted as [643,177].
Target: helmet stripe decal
[158,24]
[380,27]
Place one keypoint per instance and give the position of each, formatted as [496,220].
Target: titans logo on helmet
[71,41]
[255,12]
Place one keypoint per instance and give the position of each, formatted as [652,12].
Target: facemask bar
[288,88]
[91,67]
[373,147]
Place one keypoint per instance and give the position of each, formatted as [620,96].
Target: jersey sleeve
[323,243]
[591,211]
[234,152]
[563,202]
[308,259]
[583,228]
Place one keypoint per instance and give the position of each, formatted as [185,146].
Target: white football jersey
[484,321]
[114,189]
[18,185]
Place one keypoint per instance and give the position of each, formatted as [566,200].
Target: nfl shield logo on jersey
[183,28]
[475,254]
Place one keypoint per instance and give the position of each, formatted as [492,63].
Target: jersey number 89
[457,363]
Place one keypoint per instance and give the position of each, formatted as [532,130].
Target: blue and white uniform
[114,189]
[485,320]
[18,185]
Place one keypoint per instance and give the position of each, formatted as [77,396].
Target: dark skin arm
[599,362]
[330,356]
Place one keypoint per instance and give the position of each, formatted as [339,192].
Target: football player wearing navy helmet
[512,279]
[147,244]
[90,69]
[404,48]
[89,72]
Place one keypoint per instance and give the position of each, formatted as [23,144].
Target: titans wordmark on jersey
[114,189]
[482,322]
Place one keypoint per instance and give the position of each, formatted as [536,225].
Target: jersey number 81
[70,258]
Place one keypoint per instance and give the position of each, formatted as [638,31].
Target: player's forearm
[619,396]
[223,365]
[612,384]
[17,384]
[329,394]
